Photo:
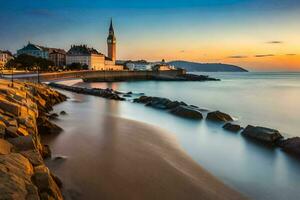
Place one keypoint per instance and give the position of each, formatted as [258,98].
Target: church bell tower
[111,43]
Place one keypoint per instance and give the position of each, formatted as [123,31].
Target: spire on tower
[111,27]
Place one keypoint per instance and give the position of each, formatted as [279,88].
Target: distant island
[206,67]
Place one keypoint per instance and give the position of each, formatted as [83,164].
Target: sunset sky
[260,35]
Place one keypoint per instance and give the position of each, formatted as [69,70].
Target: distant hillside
[206,67]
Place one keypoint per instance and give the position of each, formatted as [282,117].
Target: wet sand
[125,159]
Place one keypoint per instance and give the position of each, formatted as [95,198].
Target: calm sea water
[266,99]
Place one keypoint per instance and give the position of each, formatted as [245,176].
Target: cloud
[275,42]
[264,55]
[291,54]
[237,57]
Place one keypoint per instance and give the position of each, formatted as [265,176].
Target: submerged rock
[232,127]
[187,112]
[291,145]
[63,112]
[219,116]
[262,134]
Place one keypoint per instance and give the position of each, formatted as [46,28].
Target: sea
[253,98]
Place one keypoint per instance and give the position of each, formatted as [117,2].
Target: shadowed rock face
[262,134]
[219,117]
[232,127]
[291,145]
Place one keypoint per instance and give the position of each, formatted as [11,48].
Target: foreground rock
[105,93]
[232,127]
[219,116]
[262,134]
[24,116]
[187,112]
[291,145]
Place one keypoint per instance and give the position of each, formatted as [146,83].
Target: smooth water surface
[256,170]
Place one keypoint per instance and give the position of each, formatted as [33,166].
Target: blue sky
[198,30]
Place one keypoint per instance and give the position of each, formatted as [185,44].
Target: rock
[157,102]
[63,112]
[33,156]
[24,143]
[187,112]
[47,127]
[10,107]
[46,152]
[126,95]
[173,104]
[219,116]
[57,180]
[291,145]
[15,178]
[12,132]
[5,147]
[262,134]
[2,129]
[232,127]
[45,183]
[143,99]
[53,116]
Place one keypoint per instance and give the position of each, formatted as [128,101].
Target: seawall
[23,118]
[100,75]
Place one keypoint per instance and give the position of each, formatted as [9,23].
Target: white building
[84,55]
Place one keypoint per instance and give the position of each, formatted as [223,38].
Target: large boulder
[2,129]
[15,178]
[219,116]
[45,183]
[262,134]
[187,112]
[160,103]
[232,127]
[291,145]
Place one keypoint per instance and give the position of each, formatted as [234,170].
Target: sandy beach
[125,159]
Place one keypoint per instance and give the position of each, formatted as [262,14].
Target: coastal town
[80,123]
[78,57]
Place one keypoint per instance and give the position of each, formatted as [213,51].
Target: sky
[259,35]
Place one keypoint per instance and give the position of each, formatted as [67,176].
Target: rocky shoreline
[24,113]
[262,135]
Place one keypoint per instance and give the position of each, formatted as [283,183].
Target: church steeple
[111,42]
[111,28]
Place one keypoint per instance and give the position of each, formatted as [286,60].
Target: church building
[92,58]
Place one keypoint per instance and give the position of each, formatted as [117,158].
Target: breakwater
[263,135]
[24,117]
[110,76]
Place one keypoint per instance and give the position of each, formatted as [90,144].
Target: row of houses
[143,65]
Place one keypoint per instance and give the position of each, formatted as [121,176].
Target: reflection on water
[260,172]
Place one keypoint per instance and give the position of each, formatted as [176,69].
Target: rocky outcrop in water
[232,127]
[219,116]
[187,112]
[291,145]
[105,93]
[262,134]
[21,151]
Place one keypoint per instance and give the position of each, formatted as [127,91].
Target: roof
[31,46]
[7,52]
[82,50]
